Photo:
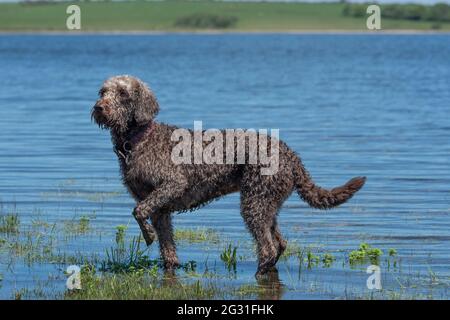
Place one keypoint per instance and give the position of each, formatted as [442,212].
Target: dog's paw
[149,234]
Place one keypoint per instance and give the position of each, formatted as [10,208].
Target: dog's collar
[124,150]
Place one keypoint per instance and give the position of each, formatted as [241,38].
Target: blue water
[350,105]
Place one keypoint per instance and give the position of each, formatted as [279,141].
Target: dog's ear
[147,106]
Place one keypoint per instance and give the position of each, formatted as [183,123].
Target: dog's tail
[318,197]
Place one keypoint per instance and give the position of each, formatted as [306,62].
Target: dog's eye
[101,92]
[123,93]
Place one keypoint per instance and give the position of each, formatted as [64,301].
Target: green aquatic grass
[365,253]
[163,16]
[311,259]
[308,256]
[144,285]
[292,249]
[131,257]
[136,286]
[327,260]
[78,226]
[246,290]
[122,259]
[39,241]
[392,252]
[9,223]
[196,235]
[120,234]
[37,244]
[229,257]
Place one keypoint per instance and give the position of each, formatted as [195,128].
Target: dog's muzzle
[98,115]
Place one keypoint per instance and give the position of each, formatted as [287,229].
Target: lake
[372,105]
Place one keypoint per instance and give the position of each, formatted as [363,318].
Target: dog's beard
[108,123]
[101,120]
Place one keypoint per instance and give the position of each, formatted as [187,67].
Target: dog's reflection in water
[272,287]
[170,279]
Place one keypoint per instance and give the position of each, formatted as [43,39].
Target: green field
[162,16]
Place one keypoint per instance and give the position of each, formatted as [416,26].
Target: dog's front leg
[168,191]
[148,232]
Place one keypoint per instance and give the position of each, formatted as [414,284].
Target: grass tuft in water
[327,260]
[78,227]
[291,250]
[9,224]
[120,234]
[307,257]
[228,256]
[133,258]
[392,252]
[311,259]
[365,253]
[120,259]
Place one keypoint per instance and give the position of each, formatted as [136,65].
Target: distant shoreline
[223,32]
[204,17]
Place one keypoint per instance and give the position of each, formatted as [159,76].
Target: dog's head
[124,102]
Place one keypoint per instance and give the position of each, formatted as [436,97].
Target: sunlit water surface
[349,105]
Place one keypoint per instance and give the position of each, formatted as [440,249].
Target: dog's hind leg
[277,238]
[261,199]
[162,222]
[258,218]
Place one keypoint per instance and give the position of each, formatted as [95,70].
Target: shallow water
[350,105]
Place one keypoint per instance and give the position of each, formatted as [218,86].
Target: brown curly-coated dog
[128,107]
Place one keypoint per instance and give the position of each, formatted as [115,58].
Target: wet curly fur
[160,187]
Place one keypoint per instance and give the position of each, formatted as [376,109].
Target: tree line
[439,12]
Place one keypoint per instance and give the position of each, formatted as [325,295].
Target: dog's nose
[98,108]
